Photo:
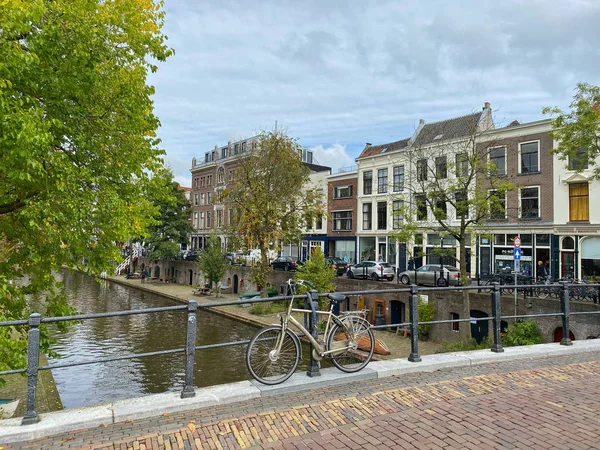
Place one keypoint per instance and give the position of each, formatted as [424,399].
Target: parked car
[285,263]
[431,274]
[233,258]
[191,256]
[338,264]
[371,269]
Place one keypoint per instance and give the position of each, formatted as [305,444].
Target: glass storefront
[590,259]
[345,250]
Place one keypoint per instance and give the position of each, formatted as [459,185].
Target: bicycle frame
[285,319]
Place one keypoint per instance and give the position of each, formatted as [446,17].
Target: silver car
[371,269]
[431,274]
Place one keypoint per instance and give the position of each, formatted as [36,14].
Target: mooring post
[413,304]
[313,367]
[564,309]
[33,358]
[190,350]
[496,311]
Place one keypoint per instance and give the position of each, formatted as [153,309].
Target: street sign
[517,265]
[517,254]
[517,242]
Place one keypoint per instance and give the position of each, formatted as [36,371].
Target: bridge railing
[191,310]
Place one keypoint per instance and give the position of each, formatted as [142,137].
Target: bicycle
[274,352]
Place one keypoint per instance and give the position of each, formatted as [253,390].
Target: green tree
[212,262]
[173,220]
[271,198]
[318,271]
[78,144]
[578,131]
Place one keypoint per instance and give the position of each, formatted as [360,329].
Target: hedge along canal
[89,339]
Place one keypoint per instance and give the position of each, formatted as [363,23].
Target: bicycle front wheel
[355,343]
[265,363]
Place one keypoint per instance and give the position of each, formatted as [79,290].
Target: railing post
[190,350]
[564,307]
[496,305]
[313,368]
[33,358]
[413,304]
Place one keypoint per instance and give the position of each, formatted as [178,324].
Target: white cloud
[356,72]
[334,156]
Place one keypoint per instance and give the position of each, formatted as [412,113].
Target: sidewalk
[544,396]
[147,414]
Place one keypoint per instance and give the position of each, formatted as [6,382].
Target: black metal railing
[192,307]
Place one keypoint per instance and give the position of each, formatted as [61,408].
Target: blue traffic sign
[517,265]
[517,254]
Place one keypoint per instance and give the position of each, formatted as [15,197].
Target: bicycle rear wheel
[264,364]
[355,342]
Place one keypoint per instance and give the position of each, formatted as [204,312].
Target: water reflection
[89,339]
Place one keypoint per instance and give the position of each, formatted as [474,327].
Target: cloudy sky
[337,74]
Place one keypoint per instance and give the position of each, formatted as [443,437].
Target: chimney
[486,105]
[368,144]
[421,121]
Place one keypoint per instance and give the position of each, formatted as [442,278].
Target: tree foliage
[270,198]
[318,271]
[212,262]
[173,225]
[578,131]
[78,142]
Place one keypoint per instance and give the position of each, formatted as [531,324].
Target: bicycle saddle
[336,297]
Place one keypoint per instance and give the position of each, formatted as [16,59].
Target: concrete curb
[170,402]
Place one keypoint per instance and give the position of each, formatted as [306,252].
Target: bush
[258,309]
[426,311]
[465,346]
[522,333]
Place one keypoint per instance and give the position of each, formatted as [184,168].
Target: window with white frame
[367,182]
[201,219]
[382,181]
[579,160]
[381,215]
[530,202]
[497,204]
[461,200]
[421,205]
[498,159]
[244,147]
[462,165]
[398,178]
[196,219]
[529,157]
[342,220]
[209,198]
[422,170]
[342,191]
[224,153]
[195,199]
[202,199]
[367,216]
[441,167]
[219,218]
[397,212]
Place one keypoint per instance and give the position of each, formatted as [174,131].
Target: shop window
[542,240]
[526,239]
[579,203]
[455,325]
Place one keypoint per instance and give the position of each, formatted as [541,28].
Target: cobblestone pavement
[529,404]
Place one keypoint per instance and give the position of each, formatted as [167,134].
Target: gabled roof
[371,150]
[448,129]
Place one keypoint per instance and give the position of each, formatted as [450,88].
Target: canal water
[90,339]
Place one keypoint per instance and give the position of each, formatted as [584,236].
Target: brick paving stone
[519,404]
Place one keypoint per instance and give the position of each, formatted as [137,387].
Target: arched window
[568,243]
[221,175]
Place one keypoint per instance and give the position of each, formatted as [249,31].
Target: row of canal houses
[550,207]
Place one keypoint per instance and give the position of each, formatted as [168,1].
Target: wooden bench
[201,291]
